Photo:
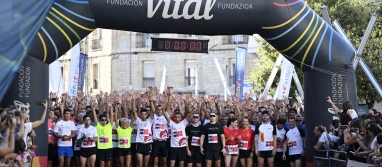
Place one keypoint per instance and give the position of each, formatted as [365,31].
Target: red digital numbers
[182,45]
[192,46]
[167,45]
[198,46]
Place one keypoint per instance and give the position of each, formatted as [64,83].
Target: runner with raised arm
[124,139]
[144,136]
[104,142]
[265,140]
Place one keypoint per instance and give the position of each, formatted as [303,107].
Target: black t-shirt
[212,137]
[193,134]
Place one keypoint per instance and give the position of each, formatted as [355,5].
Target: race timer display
[179,45]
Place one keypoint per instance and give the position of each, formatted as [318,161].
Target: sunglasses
[103,119]
[298,120]
[212,115]
[195,117]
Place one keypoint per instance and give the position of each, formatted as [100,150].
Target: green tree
[353,15]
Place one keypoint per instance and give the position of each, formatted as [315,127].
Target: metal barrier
[325,158]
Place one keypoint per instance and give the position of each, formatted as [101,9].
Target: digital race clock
[179,45]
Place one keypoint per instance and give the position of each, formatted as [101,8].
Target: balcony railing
[190,81]
[148,82]
[235,39]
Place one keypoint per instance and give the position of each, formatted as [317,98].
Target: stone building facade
[123,60]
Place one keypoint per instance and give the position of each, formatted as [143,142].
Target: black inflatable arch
[291,27]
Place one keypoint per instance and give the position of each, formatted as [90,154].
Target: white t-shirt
[115,135]
[324,140]
[144,134]
[134,133]
[280,134]
[352,113]
[91,132]
[27,129]
[77,146]
[265,134]
[64,128]
[160,127]
[295,140]
[373,142]
[178,135]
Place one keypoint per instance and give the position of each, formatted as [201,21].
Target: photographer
[9,139]
[347,108]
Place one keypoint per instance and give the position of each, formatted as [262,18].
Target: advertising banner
[74,71]
[56,83]
[28,87]
[283,87]
[240,66]
[82,71]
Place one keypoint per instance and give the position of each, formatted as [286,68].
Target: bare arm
[336,110]
[95,120]
[36,124]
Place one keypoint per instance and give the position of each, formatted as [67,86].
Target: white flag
[283,88]
[56,83]
[74,71]
[196,81]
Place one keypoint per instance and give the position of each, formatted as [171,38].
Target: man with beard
[265,139]
[213,137]
[193,133]
[280,131]
[178,138]
[295,141]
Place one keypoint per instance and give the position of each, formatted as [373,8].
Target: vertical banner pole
[161,89]
[221,75]
[196,81]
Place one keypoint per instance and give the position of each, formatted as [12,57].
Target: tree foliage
[354,16]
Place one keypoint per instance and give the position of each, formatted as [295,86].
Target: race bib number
[269,144]
[144,132]
[159,127]
[87,143]
[103,140]
[232,149]
[243,145]
[148,139]
[292,145]
[195,141]
[123,141]
[279,145]
[212,138]
[178,133]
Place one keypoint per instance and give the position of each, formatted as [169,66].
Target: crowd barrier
[326,158]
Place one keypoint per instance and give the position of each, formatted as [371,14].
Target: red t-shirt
[247,137]
[50,131]
[228,133]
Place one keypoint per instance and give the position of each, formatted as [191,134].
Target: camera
[326,98]
[343,127]
[40,103]
[9,115]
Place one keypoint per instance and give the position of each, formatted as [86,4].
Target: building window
[96,39]
[191,66]
[235,39]
[188,36]
[95,76]
[82,46]
[144,40]
[148,74]
[232,77]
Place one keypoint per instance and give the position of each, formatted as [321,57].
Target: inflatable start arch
[293,28]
